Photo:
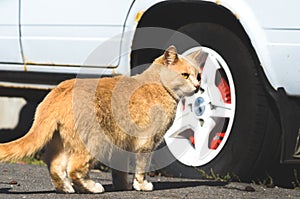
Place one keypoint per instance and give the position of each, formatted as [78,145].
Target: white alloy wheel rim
[203,121]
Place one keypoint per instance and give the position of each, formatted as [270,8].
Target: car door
[66,32]
[10,51]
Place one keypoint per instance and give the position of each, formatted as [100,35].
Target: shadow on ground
[109,188]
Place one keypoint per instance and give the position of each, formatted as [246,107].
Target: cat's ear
[170,55]
[199,57]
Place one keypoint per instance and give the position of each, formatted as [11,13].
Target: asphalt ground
[32,181]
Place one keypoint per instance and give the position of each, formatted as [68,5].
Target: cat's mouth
[196,85]
[197,89]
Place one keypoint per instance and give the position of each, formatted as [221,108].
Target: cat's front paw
[90,187]
[98,188]
[144,186]
[66,188]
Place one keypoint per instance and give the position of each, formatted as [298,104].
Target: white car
[245,116]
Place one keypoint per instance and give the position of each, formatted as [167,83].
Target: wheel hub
[199,106]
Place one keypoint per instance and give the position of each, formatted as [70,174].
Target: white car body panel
[51,37]
[10,50]
[66,32]
[139,6]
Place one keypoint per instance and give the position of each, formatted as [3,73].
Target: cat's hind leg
[141,184]
[142,164]
[78,170]
[57,160]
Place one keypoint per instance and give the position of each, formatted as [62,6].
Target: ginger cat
[84,119]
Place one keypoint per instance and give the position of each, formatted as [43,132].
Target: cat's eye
[185,75]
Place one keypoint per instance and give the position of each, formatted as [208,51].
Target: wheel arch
[185,12]
[174,14]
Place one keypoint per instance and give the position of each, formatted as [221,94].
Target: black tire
[253,143]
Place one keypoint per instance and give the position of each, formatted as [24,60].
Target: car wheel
[228,127]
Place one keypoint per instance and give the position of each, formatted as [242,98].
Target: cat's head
[186,77]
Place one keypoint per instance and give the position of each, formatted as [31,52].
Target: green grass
[268,182]
[296,183]
[217,177]
[30,160]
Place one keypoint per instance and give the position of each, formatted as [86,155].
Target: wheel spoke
[208,83]
[215,96]
[209,71]
[182,122]
[202,136]
[222,111]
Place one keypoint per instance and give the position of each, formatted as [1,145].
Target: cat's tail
[41,132]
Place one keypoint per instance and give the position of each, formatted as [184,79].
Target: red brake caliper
[225,91]
[226,96]
[216,141]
